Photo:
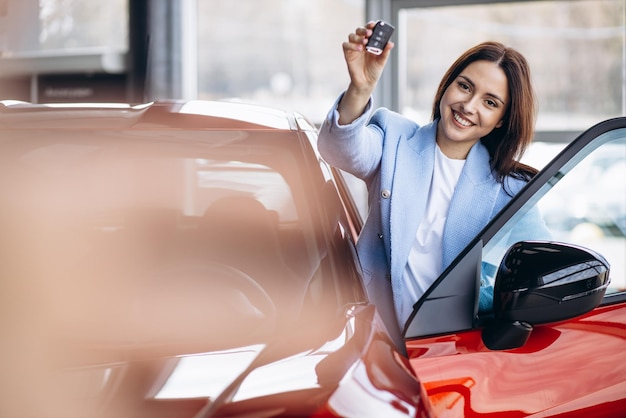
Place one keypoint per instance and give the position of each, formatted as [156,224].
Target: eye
[463,85]
[491,103]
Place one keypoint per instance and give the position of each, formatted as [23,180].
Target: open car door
[530,320]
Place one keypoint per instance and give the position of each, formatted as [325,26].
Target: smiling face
[472,106]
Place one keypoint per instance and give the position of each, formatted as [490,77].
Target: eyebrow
[495,96]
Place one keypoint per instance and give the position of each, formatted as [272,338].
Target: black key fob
[380,36]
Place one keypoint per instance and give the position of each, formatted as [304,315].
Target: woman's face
[472,106]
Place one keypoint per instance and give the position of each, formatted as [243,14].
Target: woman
[431,188]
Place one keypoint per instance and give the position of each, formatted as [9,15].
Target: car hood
[346,365]
[199,384]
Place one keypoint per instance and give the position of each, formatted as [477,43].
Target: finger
[366,32]
[363,34]
[386,52]
[351,46]
[388,48]
[354,38]
[357,39]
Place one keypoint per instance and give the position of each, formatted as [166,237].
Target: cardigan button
[380,236]
[385,193]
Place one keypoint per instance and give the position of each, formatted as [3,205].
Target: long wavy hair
[507,143]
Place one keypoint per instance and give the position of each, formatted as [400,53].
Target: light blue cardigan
[395,158]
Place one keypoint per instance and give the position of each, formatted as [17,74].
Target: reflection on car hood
[206,375]
[191,382]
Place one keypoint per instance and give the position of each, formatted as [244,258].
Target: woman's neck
[455,150]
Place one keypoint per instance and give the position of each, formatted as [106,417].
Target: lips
[461,120]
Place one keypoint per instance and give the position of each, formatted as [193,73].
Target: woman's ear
[499,124]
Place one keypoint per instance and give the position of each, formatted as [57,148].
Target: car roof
[176,114]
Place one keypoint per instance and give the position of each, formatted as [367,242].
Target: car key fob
[380,36]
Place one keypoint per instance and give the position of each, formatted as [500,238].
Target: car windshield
[154,236]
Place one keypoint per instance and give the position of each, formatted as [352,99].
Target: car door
[570,367]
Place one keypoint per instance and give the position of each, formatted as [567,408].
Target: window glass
[286,53]
[121,204]
[575,50]
[67,24]
[586,207]
[184,180]
[265,184]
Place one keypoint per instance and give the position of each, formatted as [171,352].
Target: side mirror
[540,282]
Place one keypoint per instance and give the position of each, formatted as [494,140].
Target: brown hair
[507,143]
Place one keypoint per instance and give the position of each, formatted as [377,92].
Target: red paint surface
[574,368]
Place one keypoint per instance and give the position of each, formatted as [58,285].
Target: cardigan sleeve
[356,147]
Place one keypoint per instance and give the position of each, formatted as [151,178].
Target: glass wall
[69,24]
[285,53]
[33,26]
[575,50]
[288,53]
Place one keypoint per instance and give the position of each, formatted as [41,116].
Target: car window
[117,177]
[583,204]
[123,207]
[235,177]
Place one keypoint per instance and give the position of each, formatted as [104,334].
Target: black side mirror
[540,282]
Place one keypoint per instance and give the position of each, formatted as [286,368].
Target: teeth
[462,121]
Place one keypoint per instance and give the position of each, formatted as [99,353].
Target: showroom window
[42,26]
[69,24]
[281,52]
[288,52]
[575,50]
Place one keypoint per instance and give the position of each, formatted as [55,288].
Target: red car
[196,259]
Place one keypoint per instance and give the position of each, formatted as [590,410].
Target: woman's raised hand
[364,69]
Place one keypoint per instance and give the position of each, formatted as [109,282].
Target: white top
[424,264]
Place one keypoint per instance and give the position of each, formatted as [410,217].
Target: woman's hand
[364,69]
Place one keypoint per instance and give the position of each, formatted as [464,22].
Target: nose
[469,106]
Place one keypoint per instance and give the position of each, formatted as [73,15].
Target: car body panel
[573,365]
[116,299]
